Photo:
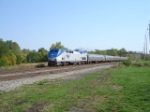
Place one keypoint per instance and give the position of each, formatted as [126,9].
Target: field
[125,89]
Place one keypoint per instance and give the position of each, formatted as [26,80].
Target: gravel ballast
[13,84]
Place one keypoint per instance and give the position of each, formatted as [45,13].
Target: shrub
[2,63]
[137,64]
[40,65]
[127,63]
[146,64]
[141,64]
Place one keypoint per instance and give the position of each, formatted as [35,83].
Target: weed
[42,82]
[40,65]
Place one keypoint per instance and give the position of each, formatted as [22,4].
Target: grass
[112,90]
[135,95]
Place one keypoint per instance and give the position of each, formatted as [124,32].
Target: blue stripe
[55,52]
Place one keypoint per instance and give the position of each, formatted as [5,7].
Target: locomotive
[63,57]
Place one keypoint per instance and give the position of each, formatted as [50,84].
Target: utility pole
[146,43]
[149,34]
[144,51]
[145,47]
[149,31]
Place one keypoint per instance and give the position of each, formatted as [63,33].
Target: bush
[19,59]
[127,63]
[146,64]
[137,64]
[142,64]
[2,63]
[40,65]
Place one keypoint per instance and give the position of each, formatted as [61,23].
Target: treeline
[113,52]
[11,54]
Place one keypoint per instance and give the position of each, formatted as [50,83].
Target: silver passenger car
[94,58]
[109,58]
[117,58]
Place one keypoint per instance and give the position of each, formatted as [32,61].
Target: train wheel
[64,64]
[73,64]
[49,64]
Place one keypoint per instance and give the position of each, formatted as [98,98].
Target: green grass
[134,95]
[112,90]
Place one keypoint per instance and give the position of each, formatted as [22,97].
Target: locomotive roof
[75,51]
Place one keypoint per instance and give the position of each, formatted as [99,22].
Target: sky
[86,24]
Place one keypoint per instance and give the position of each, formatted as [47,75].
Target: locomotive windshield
[53,51]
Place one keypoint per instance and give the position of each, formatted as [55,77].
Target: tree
[12,58]
[2,62]
[3,48]
[57,45]
[8,52]
[19,59]
[100,52]
[43,54]
[13,46]
[33,56]
[122,52]
[9,58]
[113,52]
[25,52]
[15,49]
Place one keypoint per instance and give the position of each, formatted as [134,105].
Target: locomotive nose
[52,59]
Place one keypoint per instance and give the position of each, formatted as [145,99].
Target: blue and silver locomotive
[62,57]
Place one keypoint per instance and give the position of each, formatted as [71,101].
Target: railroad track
[12,82]
[26,73]
[7,72]
[18,74]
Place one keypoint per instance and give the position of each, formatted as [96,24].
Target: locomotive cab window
[69,51]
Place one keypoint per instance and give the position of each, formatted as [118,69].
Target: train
[63,57]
